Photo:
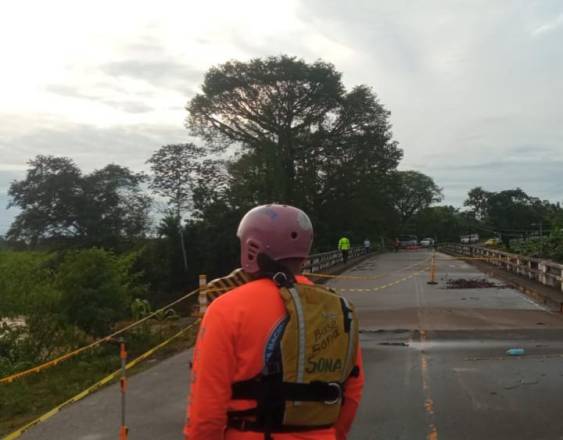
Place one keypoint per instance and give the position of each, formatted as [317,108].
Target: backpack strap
[328,392]
[271,394]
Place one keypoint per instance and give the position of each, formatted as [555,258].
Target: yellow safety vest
[344,244]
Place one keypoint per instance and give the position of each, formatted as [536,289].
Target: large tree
[59,203]
[444,223]
[412,192]
[510,210]
[477,202]
[113,206]
[47,197]
[175,168]
[301,137]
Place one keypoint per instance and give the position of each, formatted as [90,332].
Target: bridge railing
[546,272]
[324,260]
[315,263]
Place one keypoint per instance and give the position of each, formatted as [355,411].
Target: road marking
[424,370]
[428,402]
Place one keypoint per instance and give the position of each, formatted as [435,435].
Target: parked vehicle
[493,242]
[406,241]
[427,242]
[471,238]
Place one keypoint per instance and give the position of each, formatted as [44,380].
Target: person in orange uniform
[233,343]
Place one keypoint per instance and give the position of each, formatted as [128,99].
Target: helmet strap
[274,270]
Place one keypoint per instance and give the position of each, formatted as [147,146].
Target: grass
[26,399]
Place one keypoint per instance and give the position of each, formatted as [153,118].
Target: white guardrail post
[202,298]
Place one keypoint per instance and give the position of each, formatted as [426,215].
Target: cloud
[165,73]
[550,26]
[76,92]
[474,88]
[91,147]
[536,177]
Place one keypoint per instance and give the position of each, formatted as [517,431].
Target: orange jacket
[230,348]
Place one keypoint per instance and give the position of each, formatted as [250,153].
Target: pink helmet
[279,231]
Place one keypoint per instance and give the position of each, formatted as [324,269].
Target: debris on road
[475,283]
[521,382]
[399,344]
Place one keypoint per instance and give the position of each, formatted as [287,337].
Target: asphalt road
[434,358]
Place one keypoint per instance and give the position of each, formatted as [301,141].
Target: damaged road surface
[436,359]
[473,283]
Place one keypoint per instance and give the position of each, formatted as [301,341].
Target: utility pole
[183,247]
[181,231]
[540,224]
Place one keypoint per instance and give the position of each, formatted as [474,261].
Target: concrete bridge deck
[434,357]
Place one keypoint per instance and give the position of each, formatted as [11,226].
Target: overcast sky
[475,87]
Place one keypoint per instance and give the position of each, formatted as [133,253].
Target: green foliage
[113,207]
[95,289]
[509,210]
[304,140]
[516,217]
[412,192]
[213,246]
[477,201]
[31,298]
[47,197]
[140,308]
[24,278]
[444,223]
[174,169]
[549,247]
[60,207]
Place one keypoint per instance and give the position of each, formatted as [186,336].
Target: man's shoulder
[252,287]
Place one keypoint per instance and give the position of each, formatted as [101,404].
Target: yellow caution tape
[73,353]
[16,434]
[470,258]
[385,286]
[364,278]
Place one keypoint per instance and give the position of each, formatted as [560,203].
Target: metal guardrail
[324,260]
[546,272]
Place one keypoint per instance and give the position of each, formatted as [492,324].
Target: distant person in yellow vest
[344,248]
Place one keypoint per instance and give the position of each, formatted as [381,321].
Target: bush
[24,277]
[550,247]
[96,288]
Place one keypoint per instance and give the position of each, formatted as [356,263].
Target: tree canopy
[413,192]
[61,205]
[300,137]
[510,212]
[174,168]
